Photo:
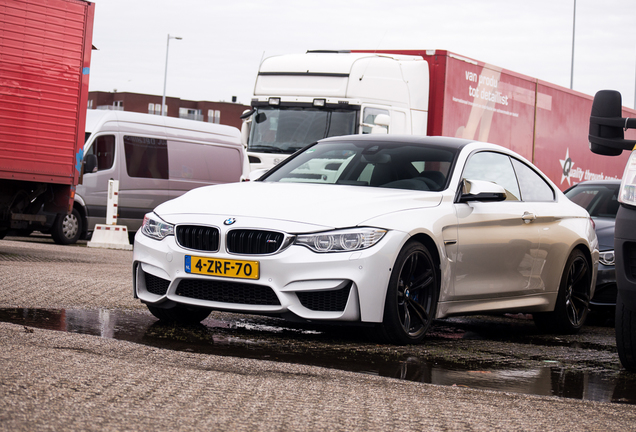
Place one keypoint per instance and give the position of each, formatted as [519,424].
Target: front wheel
[573,299]
[626,334]
[412,295]
[67,228]
[180,314]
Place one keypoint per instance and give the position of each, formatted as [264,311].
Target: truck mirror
[381,124]
[607,127]
[90,163]
[245,131]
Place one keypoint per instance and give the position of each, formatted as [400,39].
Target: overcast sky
[224,41]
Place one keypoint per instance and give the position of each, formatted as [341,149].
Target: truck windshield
[287,129]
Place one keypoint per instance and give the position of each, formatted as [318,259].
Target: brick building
[227,113]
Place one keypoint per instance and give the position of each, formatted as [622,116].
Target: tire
[626,334]
[67,229]
[180,314]
[412,294]
[573,300]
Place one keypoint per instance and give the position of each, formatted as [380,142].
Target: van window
[104,148]
[204,162]
[146,157]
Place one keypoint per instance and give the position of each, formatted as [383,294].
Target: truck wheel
[67,228]
[573,299]
[626,334]
[180,314]
[411,300]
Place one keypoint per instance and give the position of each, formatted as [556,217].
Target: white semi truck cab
[301,98]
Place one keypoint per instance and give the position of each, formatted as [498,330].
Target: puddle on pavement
[220,338]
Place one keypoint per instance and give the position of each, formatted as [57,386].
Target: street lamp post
[573,35]
[165,75]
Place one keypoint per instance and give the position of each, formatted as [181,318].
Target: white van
[154,158]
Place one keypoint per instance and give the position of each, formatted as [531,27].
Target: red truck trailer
[545,123]
[45,50]
[299,98]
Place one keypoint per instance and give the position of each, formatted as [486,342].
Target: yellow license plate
[222,267]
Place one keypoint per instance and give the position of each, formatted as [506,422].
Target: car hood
[322,206]
[605,233]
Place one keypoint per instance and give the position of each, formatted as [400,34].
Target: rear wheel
[180,314]
[67,228]
[626,334]
[573,299]
[412,296]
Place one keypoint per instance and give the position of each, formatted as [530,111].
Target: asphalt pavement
[53,380]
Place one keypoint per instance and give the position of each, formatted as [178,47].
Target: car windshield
[286,130]
[374,163]
[598,200]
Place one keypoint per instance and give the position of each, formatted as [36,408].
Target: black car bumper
[625,247]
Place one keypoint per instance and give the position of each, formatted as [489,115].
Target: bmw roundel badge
[229,221]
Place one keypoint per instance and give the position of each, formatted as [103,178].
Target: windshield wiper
[268,149]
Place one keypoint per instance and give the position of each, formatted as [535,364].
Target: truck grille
[156,285]
[203,238]
[254,242]
[227,292]
[325,301]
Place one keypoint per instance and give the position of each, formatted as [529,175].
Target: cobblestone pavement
[52,380]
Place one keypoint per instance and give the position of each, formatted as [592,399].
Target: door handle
[528,217]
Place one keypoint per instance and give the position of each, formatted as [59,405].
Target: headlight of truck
[342,240]
[627,194]
[607,258]
[156,228]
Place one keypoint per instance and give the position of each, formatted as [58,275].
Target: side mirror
[607,126]
[90,163]
[256,174]
[479,190]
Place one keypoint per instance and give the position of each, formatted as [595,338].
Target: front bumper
[346,286]
[605,292]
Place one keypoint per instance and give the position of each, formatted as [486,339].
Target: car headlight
[607,258]
[342,240]
[627,193]
[156,228]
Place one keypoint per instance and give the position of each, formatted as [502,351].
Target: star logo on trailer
[566,166]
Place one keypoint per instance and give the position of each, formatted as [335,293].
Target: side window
[146,157]
[104,148]
[494,167]
[533,187]
[204,162]
[368,118]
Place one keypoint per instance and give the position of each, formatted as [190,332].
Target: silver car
[384,231]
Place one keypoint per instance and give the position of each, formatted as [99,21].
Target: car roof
[455,143]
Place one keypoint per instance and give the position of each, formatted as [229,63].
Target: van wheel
[180,314]
[67,228]
[626,334]
[412,294]
[573,299]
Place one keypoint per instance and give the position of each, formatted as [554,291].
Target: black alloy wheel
[412,295]
[573,300]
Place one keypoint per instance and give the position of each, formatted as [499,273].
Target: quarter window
[533,187]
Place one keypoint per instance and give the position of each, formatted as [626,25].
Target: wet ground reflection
[241,338]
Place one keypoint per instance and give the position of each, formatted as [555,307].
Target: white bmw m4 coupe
[386,231]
